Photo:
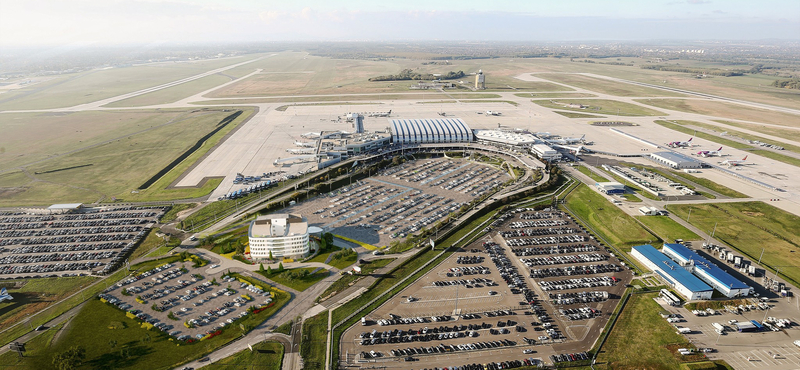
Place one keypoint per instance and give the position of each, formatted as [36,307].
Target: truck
[797,343]
[364,321]
[684,330]
[718,327]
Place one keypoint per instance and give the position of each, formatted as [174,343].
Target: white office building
[285,235]
[545,152]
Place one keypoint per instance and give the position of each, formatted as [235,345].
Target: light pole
[689,215]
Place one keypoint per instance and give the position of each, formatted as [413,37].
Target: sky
[65,22]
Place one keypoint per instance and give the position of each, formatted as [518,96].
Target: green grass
[713,186]
[36,295]
[640,337]
[724,110]
[343,259]
[172,214]
[601,106]
[265,355]
[136,347]
[554,95]
[174,93]
[667,229]
[749,227]
[160,251]
[315,337]
[344,282]
[299,284]
[612,223]
[605,86]
[631,198]
[577,115]
[491,101]
[324,255]
[285,328]
[152,242]
[36,347]
[100,162]
[586,171]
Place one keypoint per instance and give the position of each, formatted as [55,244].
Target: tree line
[712,71]
[408,74]
[794,83]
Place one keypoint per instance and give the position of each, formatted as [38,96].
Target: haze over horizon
[50,22]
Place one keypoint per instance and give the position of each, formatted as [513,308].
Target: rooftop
[507,137]
[675,157]
[702,264]
[66,206]
[671,269]
[278,225]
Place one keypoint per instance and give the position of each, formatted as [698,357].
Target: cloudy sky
[58,22]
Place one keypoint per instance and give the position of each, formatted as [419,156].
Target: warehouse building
[505,138]
[545,153]
[675,160]
[610,187]
[706,271]
[672,273]
[429,131]
[283,235]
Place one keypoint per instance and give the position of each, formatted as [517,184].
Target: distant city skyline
[50,22]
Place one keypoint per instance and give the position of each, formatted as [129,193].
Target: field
[667,229]
[605,86]
[601,106]
[265,356]
[640,337]
[172,214]
[555,95]
[300,282]
[749,227]
[312,349]
[345,280]
[577,115]
[586,171]
[727,110]
[174,93]
[607,219]
[152,242]
[37,294]
[103,154]
[785,133]
[98,84]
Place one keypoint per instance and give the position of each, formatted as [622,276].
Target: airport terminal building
[285,235]
[706,271]
[430,131]
[675,160]
[672,273]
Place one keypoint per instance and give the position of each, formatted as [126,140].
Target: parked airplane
[734,162]
[577,150]
[4,296]
[310,135]
[493,113]
[567,140]
[680,144]
[380,114]
[710,153]
[304,145]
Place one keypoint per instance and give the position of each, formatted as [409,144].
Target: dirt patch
[753,214]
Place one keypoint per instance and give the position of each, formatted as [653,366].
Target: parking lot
[176,293]
[483,305]
[89,241]
[401,200]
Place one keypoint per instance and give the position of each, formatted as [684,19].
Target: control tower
[480,80]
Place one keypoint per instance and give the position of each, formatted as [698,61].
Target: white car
[214,266]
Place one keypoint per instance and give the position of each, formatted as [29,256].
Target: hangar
[706,271]
[672,273]
[504,138]
[610,187]
[675,160]
[433,130]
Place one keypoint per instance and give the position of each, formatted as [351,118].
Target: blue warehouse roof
[710,269]
[672,270]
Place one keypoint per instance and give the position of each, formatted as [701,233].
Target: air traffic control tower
[480,80]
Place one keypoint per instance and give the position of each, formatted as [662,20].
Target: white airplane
[493,113]
[304,145]
[734,162]
[310,135]
[4,296]
[567,140]
[380,114]
[680,144]
[710,153]
[577,150]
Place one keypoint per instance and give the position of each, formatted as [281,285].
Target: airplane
[493,113]
[443,114]
[304,145]
[380,114]
[577,150]
[567,140]
[680,144]
[310,135]
[710,153]
[4,296]
[734,162]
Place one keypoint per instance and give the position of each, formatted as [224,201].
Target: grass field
[640,338]
[98,84]
[152,242]
[265,356]
[300,283]
[555,95]
[601,106]
[711,185]
[119,151]
[612,223]
[586,171]
[577,115]
[172,214]
[605,86]
[667,229]
[345,280]
[726,110]
[315,336]
[174,93]
[36,347]
[37,294]
[749,227]
[769,130]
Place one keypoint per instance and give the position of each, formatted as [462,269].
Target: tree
[260,267]
[69,359]
[270,255]
[269,270]
[280,267]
